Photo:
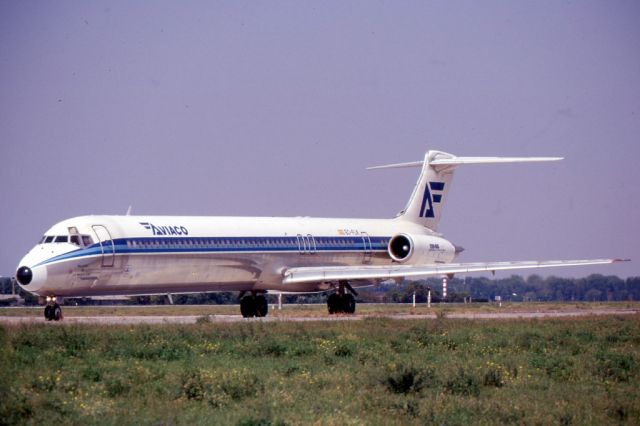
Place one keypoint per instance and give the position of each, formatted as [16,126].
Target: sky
[275,108]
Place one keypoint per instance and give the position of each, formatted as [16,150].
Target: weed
[193,386]
[586,336]
[493,377]
[44,383]
[344,349]
[291,370]
[408,379]
[273,348]
[116,386]
[91,373]
[619,412]
[565,419]
[260,421]
[240,384]
[617,367]
[219,389]
[530,340]
[463,383]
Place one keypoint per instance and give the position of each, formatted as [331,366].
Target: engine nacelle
[420,249]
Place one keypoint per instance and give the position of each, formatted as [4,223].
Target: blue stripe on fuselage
[165,245]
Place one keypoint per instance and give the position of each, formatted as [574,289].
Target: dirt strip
[192,319]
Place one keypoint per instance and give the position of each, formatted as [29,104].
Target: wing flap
[383,272]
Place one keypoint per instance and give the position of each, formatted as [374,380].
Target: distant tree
[593,295]
[5,285]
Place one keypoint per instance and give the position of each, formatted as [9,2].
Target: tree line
[593,288]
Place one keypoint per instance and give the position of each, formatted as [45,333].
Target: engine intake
[400,247]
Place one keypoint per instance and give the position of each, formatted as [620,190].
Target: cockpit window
[48,239]
[74,239]
[61,239]
[42,239]
[86,240]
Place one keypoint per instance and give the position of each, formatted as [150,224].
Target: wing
[388,272]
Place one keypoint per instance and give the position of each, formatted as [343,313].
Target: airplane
[145,255]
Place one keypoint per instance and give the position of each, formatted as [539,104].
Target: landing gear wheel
[348,303]
[248,306]
[56,313]
[341,303]
[333,303]
[53,312]
[261,306]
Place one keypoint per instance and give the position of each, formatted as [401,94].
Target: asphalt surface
[192,319]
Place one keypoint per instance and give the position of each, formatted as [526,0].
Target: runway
[193,319]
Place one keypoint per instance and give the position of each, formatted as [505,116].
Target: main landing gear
[342,302]
[53,311]
[253,305]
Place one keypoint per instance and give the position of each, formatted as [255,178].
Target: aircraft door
[106,245]
[367,248]
[306,244]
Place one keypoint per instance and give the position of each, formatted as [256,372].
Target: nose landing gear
[53,311]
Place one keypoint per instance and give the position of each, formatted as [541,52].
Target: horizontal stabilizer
[398,165]
[457,161]
[490,160]
[383,273]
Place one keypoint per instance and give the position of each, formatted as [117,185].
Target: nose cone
[24,275]
[30,275]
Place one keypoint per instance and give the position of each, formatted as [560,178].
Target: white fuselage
[135,255]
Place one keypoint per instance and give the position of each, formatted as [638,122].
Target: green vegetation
[375,371]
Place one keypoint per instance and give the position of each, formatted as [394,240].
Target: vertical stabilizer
[429,194]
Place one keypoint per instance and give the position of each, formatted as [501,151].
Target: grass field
[375,371]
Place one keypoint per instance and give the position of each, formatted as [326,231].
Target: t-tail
[430,193]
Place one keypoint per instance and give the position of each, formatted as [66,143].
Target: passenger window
[86,240]
[49,239]
[75,239]
[61,239]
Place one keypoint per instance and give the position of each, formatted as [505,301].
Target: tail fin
[426,202]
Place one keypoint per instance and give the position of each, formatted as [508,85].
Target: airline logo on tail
[432,194]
